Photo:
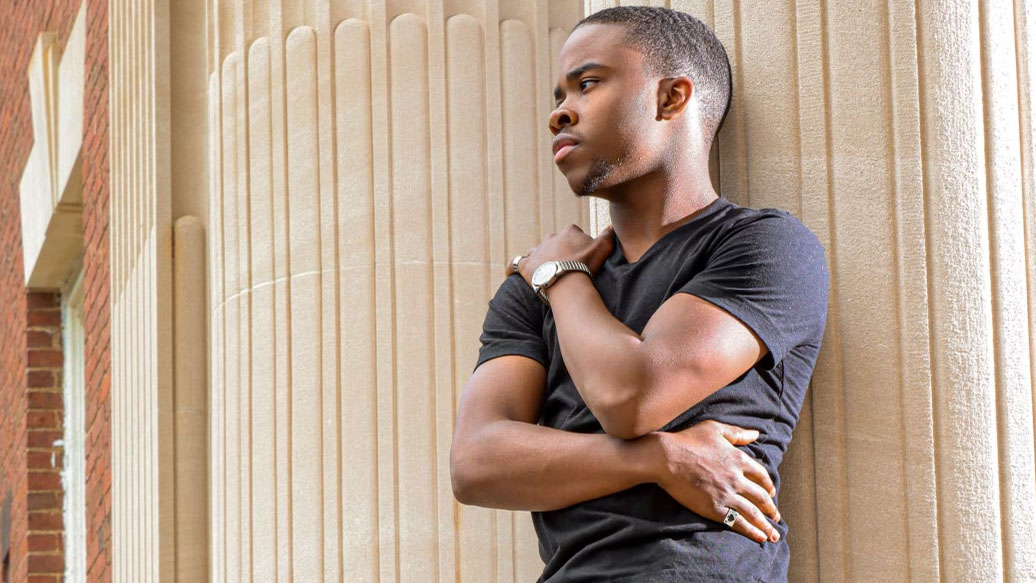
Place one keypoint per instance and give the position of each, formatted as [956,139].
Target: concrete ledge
[51,188]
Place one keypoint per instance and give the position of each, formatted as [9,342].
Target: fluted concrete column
[372,167]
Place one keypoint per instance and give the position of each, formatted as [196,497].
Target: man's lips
[562,145]
[562,151]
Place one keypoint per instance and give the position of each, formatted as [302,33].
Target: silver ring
[514,262]
[731,517]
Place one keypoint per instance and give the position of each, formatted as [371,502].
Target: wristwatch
[549,271]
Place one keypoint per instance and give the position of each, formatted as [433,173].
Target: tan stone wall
[372,164]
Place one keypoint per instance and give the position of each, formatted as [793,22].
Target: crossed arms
[633,384]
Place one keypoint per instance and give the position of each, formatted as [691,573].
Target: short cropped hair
[677,44]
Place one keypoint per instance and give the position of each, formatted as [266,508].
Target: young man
[638,390]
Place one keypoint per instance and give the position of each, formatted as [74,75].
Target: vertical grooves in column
[391,239]
[216,102]
[337,298]
[833,294]
[1025,133]
[792,4]
[246,224]
[811,392]
[351,165]
[373,305]
[801,214]
[148,259]
[496,205]
[132,236]
[994,281]
[933,355]
[742,158]
[429,197]
[223,320]
[230,327]
[451,324]
[897,244]
[290,546]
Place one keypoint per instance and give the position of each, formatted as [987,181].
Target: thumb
[738,435]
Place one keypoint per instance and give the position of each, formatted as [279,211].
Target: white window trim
[73,473]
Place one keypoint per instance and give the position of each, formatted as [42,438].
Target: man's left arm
[690,348]
[635,384]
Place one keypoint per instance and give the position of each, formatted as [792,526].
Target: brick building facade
[31,350]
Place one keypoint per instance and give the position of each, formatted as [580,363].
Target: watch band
[563,267]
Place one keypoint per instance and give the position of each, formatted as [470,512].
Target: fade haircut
[676,44]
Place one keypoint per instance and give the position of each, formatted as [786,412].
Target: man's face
[606,104]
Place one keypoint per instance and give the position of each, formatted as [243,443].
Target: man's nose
[561,118]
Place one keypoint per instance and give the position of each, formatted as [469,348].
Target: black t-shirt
[765,268]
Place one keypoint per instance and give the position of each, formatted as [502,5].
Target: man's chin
[591,181]
[581,189]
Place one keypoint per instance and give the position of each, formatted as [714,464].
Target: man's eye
[582,84]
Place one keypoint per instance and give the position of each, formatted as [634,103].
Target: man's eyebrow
[575,73]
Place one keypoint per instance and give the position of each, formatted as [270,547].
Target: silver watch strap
[563,268]
[573,266]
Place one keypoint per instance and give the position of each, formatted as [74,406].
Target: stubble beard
[595,176]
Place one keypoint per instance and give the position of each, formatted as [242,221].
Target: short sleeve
[769,272]
[513,324]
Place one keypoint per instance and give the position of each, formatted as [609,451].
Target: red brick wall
[23,20]
[45,426]
[96,291]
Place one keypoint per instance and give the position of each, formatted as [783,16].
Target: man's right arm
[500,457]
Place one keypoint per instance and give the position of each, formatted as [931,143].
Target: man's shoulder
[773,232]
[767,222]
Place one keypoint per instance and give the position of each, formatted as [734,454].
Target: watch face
[544,273]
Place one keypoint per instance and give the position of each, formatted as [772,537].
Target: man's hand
[569,244]
[703,471]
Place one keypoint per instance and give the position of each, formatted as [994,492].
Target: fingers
[737,435]
[755,471]
[751,523]
[760,498]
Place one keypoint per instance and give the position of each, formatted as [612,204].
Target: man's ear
[674,95]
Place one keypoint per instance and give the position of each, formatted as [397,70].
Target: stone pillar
[373,165]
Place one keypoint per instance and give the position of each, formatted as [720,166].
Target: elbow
[623,417]
[463,474]
[620,405]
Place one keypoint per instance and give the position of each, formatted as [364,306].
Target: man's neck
[644,212]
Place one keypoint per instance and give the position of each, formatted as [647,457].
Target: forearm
[602,355]
[521,466]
